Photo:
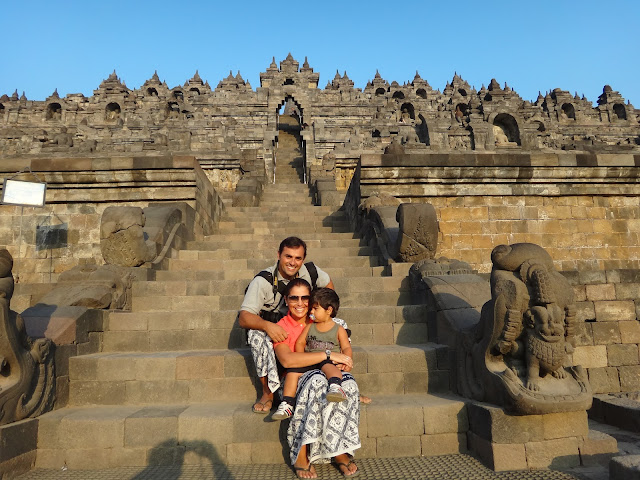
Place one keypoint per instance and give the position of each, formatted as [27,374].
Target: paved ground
[447,467]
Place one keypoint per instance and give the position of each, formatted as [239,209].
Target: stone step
[176,303]
[184,287]
[279,236]
[284,210]
[248,274]
[142,378]
[257,264]
[227,433]
[214,242]
[204,329]
[232,214]
[267,251]
[302,229]
[226,225]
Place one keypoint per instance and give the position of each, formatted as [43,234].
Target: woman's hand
[342,360]
[276,332]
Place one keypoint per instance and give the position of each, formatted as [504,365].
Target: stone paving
[446,467]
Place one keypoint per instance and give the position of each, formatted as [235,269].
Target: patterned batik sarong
[327,428]
[264,357]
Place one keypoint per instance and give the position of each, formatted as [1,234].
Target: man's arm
[255,322]
[254,300]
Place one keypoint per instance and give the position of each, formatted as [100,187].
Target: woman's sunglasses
[296,298]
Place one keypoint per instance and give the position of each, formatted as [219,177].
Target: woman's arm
[301,343]
[290,359]
[345,347]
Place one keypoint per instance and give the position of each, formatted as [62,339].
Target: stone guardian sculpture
[519,354]
[27,377]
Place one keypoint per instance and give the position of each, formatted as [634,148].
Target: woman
[319,430]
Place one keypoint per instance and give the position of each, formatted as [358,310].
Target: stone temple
[486,249]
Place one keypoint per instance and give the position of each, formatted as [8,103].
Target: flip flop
[262,410]
[297,470]
[346,466]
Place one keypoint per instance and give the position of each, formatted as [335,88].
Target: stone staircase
[174,382]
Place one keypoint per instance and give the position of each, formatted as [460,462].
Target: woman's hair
[326,297]
[296,282]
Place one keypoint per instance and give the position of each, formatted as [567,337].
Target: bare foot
[346,464]
[305,472]
[263,404]
[364,399]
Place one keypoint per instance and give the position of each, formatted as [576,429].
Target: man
[263,305]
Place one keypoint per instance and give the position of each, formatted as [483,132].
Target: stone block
[606,333]
[410,333]
[604,379]
[399,446]
[591,356]
[194,365]
[626,354]
[585,311]
[381,361]
[97,393]
[494,425]
[625,468]
[555,454]
[628,291]
[629,331]
[584,333]
[151,426]
[394,419]
[597,448]
[446,416]
[499,457]
[267,453]
[443,444]
[566,424]
[18,438]
[606,291]
[161,391]
[629,378]
[202,423]
[239,453]
[369,447]
[156,366]
[391,383]
[615,311]
[79,428]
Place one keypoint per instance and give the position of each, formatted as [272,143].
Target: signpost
[24,194]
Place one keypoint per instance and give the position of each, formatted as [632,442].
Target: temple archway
[422,93]
[380,91]
[290,151]
[398,95]
[620,111]
[422,130]
[152,92]
[112,112]
[54,111]
[506,130]
[569,111]
[407,110]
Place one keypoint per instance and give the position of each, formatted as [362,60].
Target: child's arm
[301,343]
[345,344]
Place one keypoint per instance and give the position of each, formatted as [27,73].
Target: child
[323,335]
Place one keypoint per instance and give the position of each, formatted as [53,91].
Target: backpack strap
[313,273]
[277,287]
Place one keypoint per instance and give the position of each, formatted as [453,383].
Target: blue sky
[74,45]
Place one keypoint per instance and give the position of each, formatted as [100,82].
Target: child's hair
[326,297]
[296,282]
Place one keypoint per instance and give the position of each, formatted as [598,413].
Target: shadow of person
[167,459]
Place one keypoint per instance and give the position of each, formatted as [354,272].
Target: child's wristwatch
[328,352]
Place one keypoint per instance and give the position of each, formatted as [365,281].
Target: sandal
[345,473]
[263,407]
[297,471]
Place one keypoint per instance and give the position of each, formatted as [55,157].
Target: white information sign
[28,194]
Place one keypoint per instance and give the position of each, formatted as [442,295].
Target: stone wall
[66,231]
[608,302]
[582,209]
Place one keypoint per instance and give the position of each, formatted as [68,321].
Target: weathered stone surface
[418,232]
[121,237]
[625,468]
[499,456]
[27,369]
[529,322]
[556,454]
